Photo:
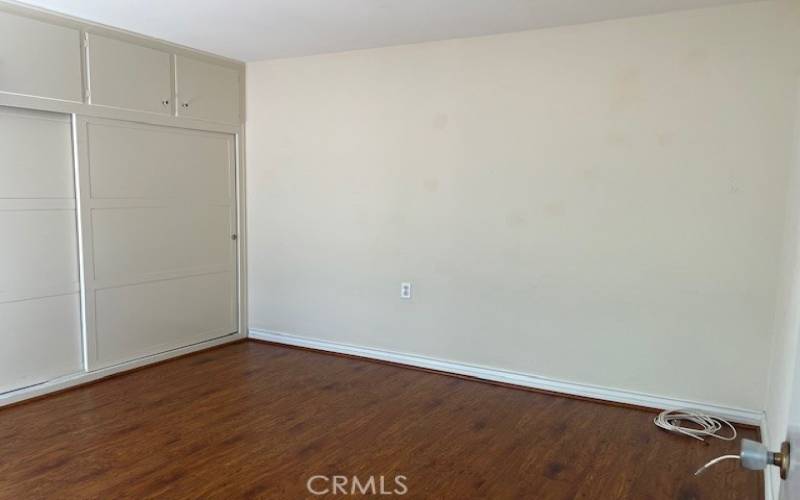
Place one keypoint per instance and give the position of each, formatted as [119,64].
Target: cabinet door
[125,75]
[207,91]
[39,59]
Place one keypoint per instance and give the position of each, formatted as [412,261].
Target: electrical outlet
[405,290]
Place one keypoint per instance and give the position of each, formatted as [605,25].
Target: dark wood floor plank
[252,420]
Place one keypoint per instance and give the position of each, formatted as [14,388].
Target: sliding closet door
[39,290]
[158,217]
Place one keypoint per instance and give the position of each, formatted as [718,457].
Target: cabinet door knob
[165,102]
[185,105]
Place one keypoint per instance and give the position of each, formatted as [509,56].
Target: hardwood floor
[253,420]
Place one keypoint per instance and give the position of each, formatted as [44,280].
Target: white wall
[600,203]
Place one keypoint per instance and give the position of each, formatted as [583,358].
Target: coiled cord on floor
[700,424]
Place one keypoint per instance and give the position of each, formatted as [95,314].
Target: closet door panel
[160,241]
[39,283]
[37,161]
[153,317]
[39,59]
[125,75]
[129,161]
[39,253]
[40,339]
[158,228]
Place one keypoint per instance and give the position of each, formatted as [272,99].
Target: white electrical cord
[700,424]
[716,461]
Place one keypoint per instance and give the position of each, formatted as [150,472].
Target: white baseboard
[74,379]
[744,416]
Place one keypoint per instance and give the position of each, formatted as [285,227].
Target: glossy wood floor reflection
[254,420]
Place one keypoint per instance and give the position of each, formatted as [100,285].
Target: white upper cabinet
[39,59]
[66,61]
[207,91]
[128,76]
